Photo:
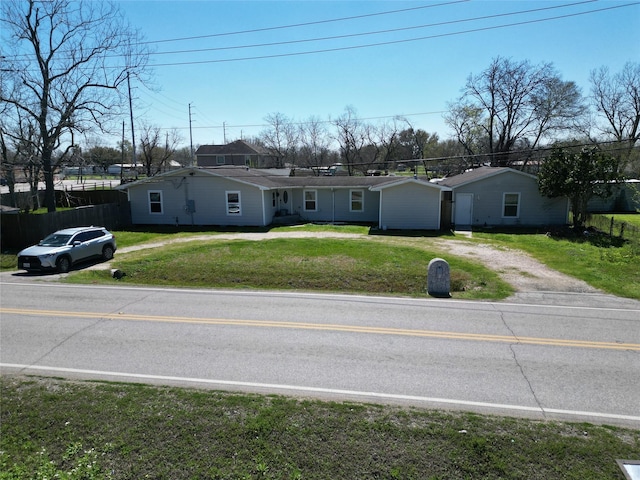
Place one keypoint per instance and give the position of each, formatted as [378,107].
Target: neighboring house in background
[243,196]
[238,153]
[625,197]
[501,196]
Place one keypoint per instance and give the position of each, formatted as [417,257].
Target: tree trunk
[49,193]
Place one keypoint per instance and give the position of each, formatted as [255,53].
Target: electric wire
[305,24]
[376,32]
[390,42]
[280,27]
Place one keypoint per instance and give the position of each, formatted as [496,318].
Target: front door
[284,202]
[463,209]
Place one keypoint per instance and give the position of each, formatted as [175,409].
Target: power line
[527,152]
[337,37]
[263,125]
[281,27]
[376,32]
[305,24]
[391,42]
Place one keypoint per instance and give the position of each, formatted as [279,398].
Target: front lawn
[369,265]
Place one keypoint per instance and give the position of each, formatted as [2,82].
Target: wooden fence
[21,230]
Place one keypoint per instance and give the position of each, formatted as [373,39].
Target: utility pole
[191,136]
[224,132]
[133,135]
[122,152]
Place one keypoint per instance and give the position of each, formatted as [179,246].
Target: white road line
[331,391]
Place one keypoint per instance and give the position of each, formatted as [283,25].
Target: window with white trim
[311,200]
[233,203]
[155,202]
[356,203]
[511,205]
[220,159]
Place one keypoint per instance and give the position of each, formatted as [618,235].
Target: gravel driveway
[523,272]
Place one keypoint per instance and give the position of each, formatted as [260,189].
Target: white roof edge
[410,180]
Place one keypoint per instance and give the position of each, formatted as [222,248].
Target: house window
[220,159]
[511,205]
[310,200]
[155,202]
[273,199]
[233,203]
[357,200]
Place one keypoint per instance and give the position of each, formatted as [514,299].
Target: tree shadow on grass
[590,235]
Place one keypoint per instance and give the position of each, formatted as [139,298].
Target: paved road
[575,362]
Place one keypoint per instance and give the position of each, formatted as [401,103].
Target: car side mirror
[76,243]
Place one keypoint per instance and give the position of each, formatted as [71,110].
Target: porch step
[286,220]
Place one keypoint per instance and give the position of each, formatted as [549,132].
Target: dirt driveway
[517,268]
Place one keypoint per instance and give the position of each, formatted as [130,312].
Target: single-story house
[501,196]
[235,153]
[243,196]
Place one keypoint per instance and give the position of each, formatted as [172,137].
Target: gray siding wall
[334,205]
[410,206]
[209,197]
[535,209]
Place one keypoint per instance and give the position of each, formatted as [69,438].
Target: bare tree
[351,137]
[513,103]
[20,155]
[616,98]
[281,137]
[68,59]
[157,149]
[388,138]
[314,142]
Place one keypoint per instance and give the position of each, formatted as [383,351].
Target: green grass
[612,265]
[631,218]
[127,238]
[8,261]
[369,265]
[95,430]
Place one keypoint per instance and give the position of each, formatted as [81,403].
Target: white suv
[60,250]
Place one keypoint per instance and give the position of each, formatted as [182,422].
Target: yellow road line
[329,327]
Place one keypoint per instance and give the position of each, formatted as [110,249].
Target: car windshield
[55,240]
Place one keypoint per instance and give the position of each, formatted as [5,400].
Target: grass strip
[103,430]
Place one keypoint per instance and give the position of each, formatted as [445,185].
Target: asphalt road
[570,357]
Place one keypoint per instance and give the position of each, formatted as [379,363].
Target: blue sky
[419,63]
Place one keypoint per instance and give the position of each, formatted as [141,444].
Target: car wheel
[63,264]
[107,252]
